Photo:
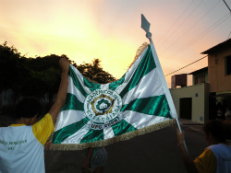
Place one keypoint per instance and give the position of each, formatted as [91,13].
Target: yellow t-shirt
[43,128]
[206,162]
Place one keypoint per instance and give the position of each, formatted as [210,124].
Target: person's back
[22,149]
[217,157]
[222,153]
[22,143]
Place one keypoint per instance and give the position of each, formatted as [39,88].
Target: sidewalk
[191,124]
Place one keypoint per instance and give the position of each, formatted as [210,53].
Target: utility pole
[230,13]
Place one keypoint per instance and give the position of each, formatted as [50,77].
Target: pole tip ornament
[146,26]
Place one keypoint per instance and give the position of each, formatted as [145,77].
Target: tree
[41,75]
[13,69]
[95,72]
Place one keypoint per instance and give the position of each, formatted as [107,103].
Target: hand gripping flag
[100,114]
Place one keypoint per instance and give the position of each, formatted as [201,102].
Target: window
[200,79]
[228,65]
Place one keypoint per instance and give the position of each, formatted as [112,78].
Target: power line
[200,36]
[186,66]
[225,17]
[196,61]
[230,13]
[181,23]
[193,26]
[229,35]
[227,5]
[176,21]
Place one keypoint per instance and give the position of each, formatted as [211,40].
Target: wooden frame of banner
[146,26]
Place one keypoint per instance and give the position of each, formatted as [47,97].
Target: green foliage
[40,75]
[13,70]
[44,77]
[95,72]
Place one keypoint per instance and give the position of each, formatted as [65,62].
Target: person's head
[227,129]
[214,132]
[28,108]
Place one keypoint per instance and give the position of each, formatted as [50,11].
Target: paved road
[154,152]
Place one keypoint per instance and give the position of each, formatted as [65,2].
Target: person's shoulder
[207,151]
[47,114]
[46,117]
[217,145]
[214,146]
[15,127]
[46,120]
[220,148]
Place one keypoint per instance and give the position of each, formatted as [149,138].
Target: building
[211,87]
[219,76]
[192,102]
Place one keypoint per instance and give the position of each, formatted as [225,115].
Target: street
[154,152]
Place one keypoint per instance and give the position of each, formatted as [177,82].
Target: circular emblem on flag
[102,105]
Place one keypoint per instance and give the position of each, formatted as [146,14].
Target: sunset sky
[110,30]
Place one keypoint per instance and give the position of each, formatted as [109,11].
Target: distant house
[219,75]
[192,102]
[200,76]
[211,85]
[219,67]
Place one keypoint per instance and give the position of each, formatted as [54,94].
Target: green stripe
[156,105]
[60,135]
[117,83]
[146,65]
[72,103]
[92,136]
[122,127]
[92,86]
[77,83]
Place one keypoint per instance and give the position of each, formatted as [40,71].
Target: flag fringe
[122,137]
[138,52]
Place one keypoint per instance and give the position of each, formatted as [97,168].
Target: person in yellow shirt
[22,143]
[217,157]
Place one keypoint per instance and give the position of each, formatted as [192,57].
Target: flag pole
[146,26]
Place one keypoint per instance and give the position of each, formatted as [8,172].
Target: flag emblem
[102,106]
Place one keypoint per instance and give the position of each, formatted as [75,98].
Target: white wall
[199,103]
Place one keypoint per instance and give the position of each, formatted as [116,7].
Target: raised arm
[187,160]
[86,162]
[62,92]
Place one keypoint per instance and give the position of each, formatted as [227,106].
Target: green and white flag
[100,114]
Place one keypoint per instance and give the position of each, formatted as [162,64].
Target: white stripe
[68,117]
[140,120]
[77,136]
[80,78]
[108,133]
[164,83]
[130,72]
[149,86]
[73,90]
[104,86]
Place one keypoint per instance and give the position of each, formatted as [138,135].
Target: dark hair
[28,107]
[218,129]
[227,129]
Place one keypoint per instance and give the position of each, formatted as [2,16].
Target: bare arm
[187,160]
[86,162]
[62,92]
